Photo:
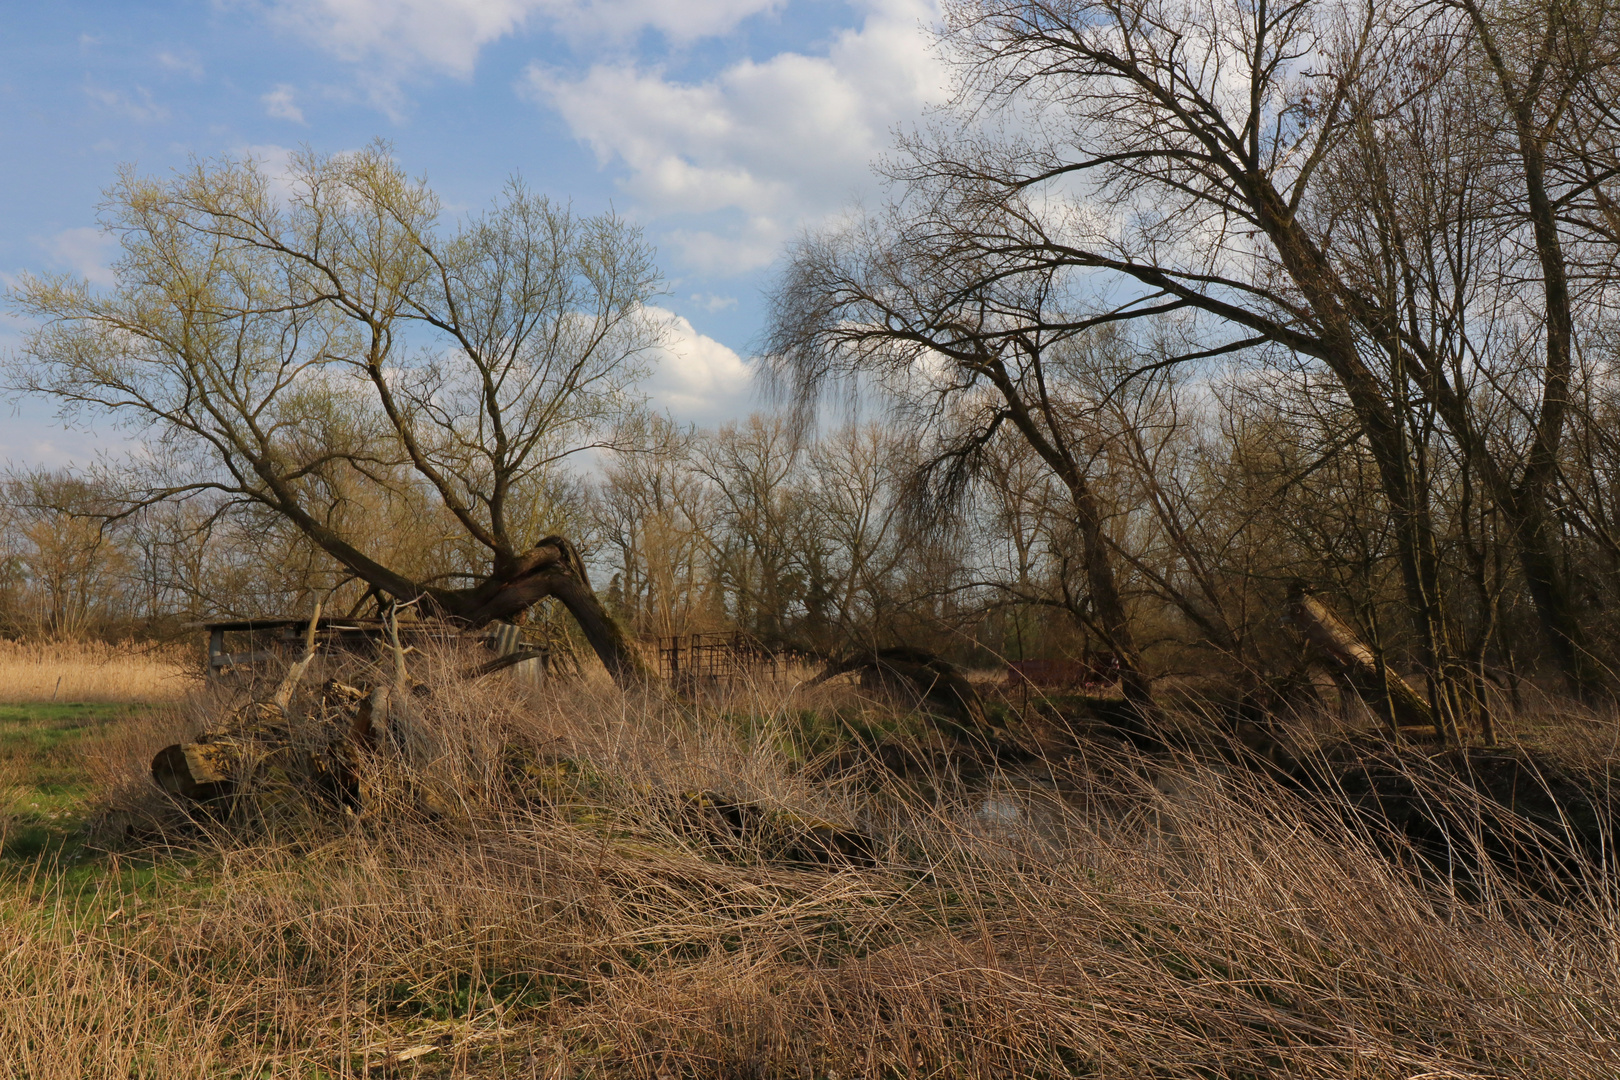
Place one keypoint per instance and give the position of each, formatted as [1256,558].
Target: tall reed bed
[92,671]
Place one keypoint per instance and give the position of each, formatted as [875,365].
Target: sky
[724,128]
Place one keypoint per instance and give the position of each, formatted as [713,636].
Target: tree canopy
[328,346]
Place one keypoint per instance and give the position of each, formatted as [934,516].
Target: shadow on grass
[44,792]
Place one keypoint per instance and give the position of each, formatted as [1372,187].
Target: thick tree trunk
[553,568]
[1107,602]
[1528,505]
[1414,534]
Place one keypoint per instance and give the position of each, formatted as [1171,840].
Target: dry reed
[519,898]
[78,671]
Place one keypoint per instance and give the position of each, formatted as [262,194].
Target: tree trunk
[1528,505]
[1331,303]
[1372,680]
[1096,555]
[553,568]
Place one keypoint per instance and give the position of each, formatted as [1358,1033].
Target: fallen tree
[1360,666]
[553,568]
[931,681]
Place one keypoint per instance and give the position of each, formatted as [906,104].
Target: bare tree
[335,346]
[70,571]
[1219,170]
[771,566]
[1462,203]
[856,475]
[656,515]
[962,352]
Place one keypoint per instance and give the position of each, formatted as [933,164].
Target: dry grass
[93,672]
[519,898]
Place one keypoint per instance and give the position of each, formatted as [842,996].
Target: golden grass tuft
[80,671]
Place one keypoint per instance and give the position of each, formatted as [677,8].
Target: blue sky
[723,127]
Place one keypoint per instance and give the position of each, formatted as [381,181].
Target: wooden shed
[241,644]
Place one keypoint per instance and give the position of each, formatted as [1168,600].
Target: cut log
[196,771]
[1333,638]
[255,750]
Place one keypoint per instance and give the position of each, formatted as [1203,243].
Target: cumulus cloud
[696,378]
[282,105]
[85,251]
[444,34]
[748,155]
[773,144]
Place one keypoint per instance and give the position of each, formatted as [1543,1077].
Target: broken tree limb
[289,684]
[1375,682]
[402,680]
[502,663]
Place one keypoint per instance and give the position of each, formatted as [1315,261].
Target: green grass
[47,804]
[38,728]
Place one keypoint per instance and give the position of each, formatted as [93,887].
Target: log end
[195,771]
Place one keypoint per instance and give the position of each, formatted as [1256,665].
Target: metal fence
[719,657]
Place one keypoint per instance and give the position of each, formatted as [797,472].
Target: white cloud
[186,63]
[396,38]
[276,164]
[696,378]
[444,34]
[273,158]
[711,303]
[280,104]
[684,21]
[138,106]
[33,439]
[85,251]
[774,144]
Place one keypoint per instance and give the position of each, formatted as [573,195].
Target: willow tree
[1203,172]
[322,342]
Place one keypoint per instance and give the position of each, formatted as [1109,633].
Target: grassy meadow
[575,881]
